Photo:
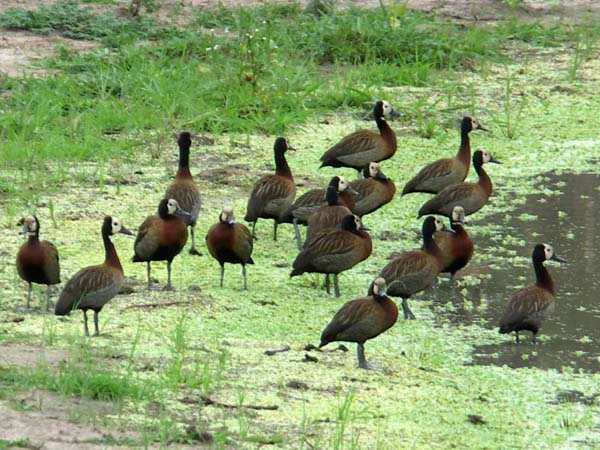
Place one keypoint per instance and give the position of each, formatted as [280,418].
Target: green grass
[260,70]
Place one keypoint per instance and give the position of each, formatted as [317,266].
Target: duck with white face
[530,306]
[361,147]
[37,261]
[374,191]
[445,172]
[362,319]
[471,196]
[414,271]
[161,237]
[455,244]
[230,242]
[94,286]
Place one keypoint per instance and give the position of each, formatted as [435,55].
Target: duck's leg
[85,325]
[327,284]
[193,250]
[253,228]
[517,337]
[297,233]
[362,361]
[534,338]
[169,286]
[244,274]
[47,297]
[275,230]
[222,274]
[408,314]
[96,330]
[336,286]
[29,295]
[148,275]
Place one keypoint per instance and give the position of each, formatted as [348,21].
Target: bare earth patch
[20,355]
[49,421]
[19,50]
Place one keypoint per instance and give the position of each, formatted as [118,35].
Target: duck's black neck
[332,196]
[110,253]
[184,164]
[484,179]
[542,276]
[432,248]
[386,132]
[464,151]
[34,237]
[281,165]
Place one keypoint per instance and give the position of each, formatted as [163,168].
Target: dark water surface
[571,336]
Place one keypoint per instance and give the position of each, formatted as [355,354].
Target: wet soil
[564,216]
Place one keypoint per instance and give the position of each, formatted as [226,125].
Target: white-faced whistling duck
[333,251]
[444,172]
[230,242]
[310,202]
[93,286]
[161,237]
[362,319]
[361,147]
[456,245]
[471,196]
[531,305]
[416,270]
[374,191]
[272,195]
[37,261]
[184,190]
[331,214]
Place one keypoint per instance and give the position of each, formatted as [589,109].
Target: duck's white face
[227,215]
[439,225]
[357,222]
[116,225]
[29,225]
[487,156]
[548,251]
[374,169]
[172,206]
[379,286]
[458,214]
[387,108]
[474,124]
[343,184]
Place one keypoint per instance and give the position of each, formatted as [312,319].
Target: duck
[37,261]
[416,270]
[184,189]
[530,306]
[272,195]
[333,251]
[445,172]
[327,216]
[309,202]
[94,286]
[456,245]
[361,147]
[161,237]
[230,242]
[471,196]
[362,319]
[374,190]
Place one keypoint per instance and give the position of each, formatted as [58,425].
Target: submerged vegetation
[208,365]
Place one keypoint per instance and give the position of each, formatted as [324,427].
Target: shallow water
[567,221]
